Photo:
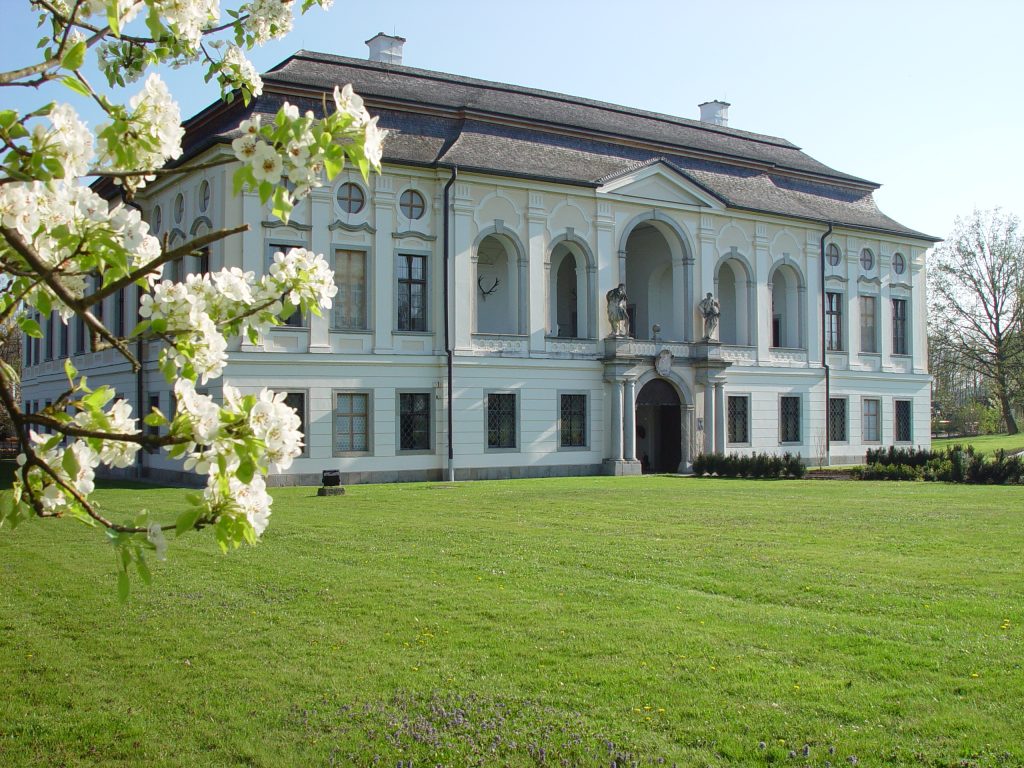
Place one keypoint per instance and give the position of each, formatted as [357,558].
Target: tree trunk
[1007,409]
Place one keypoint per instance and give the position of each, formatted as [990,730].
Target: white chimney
[386,48]
[715,112]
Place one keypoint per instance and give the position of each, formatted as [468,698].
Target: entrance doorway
[659,427]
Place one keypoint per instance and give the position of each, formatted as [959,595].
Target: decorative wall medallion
[663,362]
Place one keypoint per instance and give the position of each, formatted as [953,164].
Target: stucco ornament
[663,362]
[618,314]
[711,310]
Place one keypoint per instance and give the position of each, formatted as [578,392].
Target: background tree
[64,249]
[976,281]
[10,353]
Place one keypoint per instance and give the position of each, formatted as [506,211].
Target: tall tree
[976,281]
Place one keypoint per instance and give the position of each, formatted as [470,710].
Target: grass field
[986,443]
[549,622]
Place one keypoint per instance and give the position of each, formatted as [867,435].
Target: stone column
[532,278]
[719,417]
[709,418]
[463,280]
[629,420]
[616,421]
[686,464]
[606,276]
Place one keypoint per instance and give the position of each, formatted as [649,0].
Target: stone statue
[711,310]
[618,311]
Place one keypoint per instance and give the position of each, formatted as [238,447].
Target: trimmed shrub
[756,465]
[957,464]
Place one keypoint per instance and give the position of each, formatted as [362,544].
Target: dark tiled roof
[439,119]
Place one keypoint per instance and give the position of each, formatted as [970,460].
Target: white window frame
[518,420]
[431,420]
[270,247]
[334,423]
[895,423]
[846,420]
[799,419]
[586,419]
[746,396]
[368,287]
[864,420]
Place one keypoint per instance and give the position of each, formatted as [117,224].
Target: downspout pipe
[447,324]
[824,349]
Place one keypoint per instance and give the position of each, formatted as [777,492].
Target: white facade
[530,264]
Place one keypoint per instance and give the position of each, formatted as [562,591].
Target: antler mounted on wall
[487,291]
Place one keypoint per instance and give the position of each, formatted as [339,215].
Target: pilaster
[461,279]
[607,264]
[384,264]
[537,322]
[321,206]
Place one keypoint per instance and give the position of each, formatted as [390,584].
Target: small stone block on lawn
[331,490]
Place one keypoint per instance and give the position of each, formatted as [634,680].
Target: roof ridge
[686,122]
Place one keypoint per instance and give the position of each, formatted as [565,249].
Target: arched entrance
[659,427]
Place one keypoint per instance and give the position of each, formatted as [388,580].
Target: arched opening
[659,443]
[734,289]
[649,283]
[566,299]
[497,287]
[785,286]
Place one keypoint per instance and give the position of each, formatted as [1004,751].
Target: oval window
[899,264]
[867,259]
[179,208]
[834,254]
[351,197]
[412,204]
[204,196]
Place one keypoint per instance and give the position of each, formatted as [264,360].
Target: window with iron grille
[902,422]
[350,303]
[573,421]
[739,419]
[837,419]
[501,420]
[351,422]
[297,400]
[119,312]
[899,326]
[868,324]
[833,321]
[789,419]
[414,421]
[871,421]
[412,292]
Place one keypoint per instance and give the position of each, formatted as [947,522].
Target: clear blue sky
[920,96]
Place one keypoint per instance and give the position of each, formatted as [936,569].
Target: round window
[412,204]
[204,196]
[867,259]
[179,208]
[351,197]
[158,220]
[899,264]
[834,254]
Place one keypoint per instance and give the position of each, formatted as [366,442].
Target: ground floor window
[837,419]
[572,421]
[739,419]
[297,400]
[902,422]
[871,425]
[414,421]
[501,420]
[789,419]
[351,422]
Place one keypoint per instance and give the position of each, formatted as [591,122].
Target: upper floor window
[351,197]
[204,196]
[867,259]
[412,204]
[158,220]
[350,303]
[899,326]
[868,324]
[179,208]
[295,319]
[412,292]
[833,321]
[899,264]
[834,254]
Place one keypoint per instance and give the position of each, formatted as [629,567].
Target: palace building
[472,336]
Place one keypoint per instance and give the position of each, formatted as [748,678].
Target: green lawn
[986,443]
[598,620]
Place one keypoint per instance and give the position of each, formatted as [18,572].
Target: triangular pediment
[659,182]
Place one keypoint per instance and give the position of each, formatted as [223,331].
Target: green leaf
[155,419]
[70,370]
[143,569]
[43,303]
[30,327]
[123,586]
[75,57]
[187,520]
[70,463]
[75,85]
[246,470]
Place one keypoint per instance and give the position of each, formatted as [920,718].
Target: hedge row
[755,465]
[952,465]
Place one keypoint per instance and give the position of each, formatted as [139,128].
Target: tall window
[203,262]
[412,292]
[833,321]
[899,326]
[414,421]
[297,400]
[902,423]
[295,319]
[63,339]
[50,340]
[350,303]
[789,419]
[119,312]
[868,324]
[154,402]
[837,419]
[79,335]
[739,419]
[871,425]
[351,422]
[572,421]
[501,420]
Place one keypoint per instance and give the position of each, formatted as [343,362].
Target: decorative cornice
[339,224]
[290,225]
[414,235]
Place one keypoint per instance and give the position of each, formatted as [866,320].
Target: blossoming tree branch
[64,249]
